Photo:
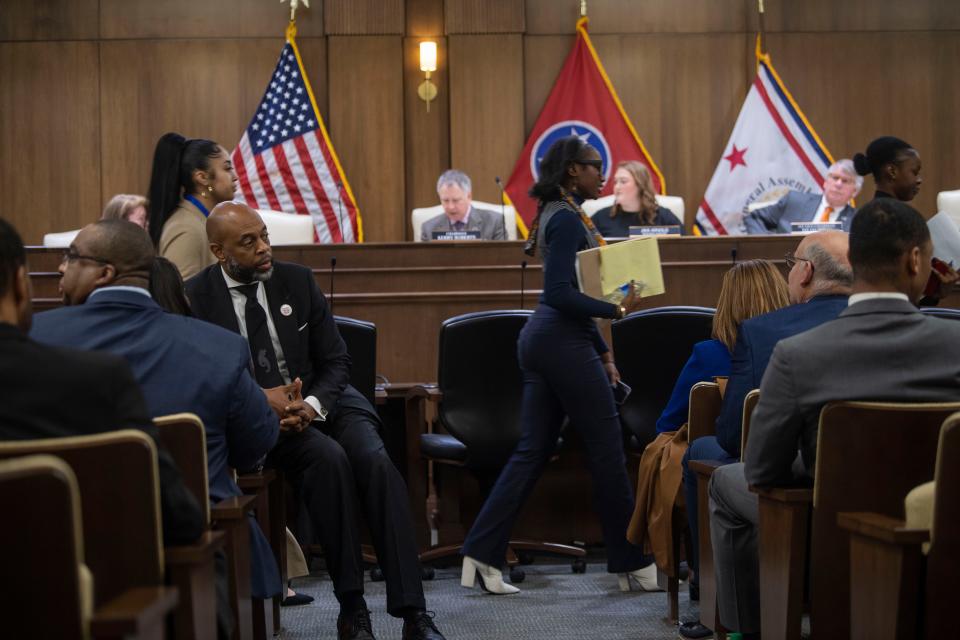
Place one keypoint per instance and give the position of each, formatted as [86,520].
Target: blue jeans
[562,375]
[705,448]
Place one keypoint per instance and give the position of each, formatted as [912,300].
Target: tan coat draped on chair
[658,491]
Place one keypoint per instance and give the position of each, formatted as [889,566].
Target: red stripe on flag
[243,178]
[265,182]
[335,174]
[762,90]
[714,220]
[288,180]
[336,233]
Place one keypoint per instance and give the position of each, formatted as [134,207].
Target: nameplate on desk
[811,227]
[655,230]
[456,235]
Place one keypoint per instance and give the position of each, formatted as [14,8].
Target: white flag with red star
[772,150]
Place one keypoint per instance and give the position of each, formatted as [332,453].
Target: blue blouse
[709,359]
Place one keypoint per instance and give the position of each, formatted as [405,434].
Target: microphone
[733,256]
[343,236]
[523,272]
[333,269]
[502,204]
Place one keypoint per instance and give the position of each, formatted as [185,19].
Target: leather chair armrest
[138,612]
[232,508]
[882,528]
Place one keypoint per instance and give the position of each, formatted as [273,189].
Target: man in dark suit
[459,214]
[841,184]
[182,364]
[819,283]
[52,393]
[330,448]
[858,356]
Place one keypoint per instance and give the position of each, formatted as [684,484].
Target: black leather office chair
[650,348]
[361,339]
[481,383]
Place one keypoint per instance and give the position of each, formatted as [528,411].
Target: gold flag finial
[294,5]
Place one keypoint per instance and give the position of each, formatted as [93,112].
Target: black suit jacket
[311,344]
[50,392]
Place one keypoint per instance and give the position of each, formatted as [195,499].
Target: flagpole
[762,31]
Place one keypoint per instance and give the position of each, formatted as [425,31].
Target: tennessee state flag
[773,149]
[582,103]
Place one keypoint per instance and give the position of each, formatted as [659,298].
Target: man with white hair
[459,214]
[840,185]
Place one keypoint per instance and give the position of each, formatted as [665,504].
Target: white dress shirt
[833,214]
[892,295]
[239,300]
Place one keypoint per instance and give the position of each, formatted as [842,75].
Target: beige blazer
[183,240]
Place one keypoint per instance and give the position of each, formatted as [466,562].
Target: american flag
[285,161]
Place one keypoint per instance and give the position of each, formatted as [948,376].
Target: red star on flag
[736,157]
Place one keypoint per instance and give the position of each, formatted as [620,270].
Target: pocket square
[303,327]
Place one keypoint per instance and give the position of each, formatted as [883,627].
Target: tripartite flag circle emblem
[583,130]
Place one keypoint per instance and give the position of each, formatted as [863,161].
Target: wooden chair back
[183,436]
[704,409]
[869,455]
[117,475]
[944,556]
[42,542]
[749,404]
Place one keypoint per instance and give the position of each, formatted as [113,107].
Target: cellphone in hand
[621,391]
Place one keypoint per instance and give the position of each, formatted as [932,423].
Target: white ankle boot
[640,580]
[491,580]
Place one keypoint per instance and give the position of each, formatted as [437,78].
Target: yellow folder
[604,272]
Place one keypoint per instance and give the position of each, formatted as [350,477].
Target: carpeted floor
[554,604]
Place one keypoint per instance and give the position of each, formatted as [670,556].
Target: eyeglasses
[791,260]
[596,164]
[71,255]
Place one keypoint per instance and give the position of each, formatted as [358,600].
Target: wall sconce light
[428,63]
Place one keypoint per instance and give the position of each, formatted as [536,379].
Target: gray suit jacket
[879,349]
[488,223]
[793,207]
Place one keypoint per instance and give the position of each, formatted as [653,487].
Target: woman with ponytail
[895,166]
[189,178]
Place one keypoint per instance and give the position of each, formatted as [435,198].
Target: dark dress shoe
[355,626]
[421,627]
[694,630]
[296,600]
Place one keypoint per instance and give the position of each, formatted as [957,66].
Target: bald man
[329,448]
[819,283]
[181,363]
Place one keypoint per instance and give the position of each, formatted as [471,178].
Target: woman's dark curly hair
[553,168]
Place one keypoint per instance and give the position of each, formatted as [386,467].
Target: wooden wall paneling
[543,57]
[857,15]
[150,87]
[363,17]
[427,134]
[137,19]
[630,16]
[683,93]
[367,127]
[49,20]
[486,108]
[49,136]
[484,16]
[424,18]
[851,97]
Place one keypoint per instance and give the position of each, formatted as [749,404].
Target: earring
[210,189]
